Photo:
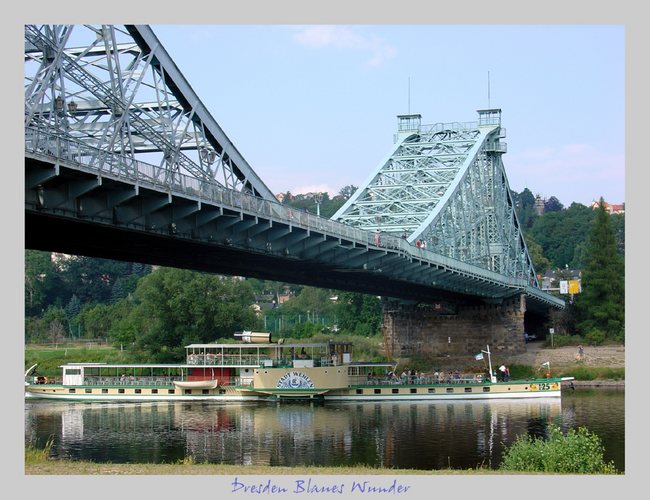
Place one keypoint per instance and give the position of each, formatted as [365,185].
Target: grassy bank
[578,372]
[38,462]
[49,358]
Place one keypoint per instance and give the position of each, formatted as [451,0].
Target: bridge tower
[443,187]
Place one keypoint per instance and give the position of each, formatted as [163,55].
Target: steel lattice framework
[118,90]
[122,160]
[444,187]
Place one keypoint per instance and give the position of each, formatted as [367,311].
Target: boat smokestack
[254,337]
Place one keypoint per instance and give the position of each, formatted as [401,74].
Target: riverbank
[565,359]
[64,467]
[600,366]
[605,356]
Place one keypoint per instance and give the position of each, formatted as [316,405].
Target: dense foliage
[577,452]
[172,308]
[600,307]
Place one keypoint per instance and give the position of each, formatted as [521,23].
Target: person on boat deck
[502,373]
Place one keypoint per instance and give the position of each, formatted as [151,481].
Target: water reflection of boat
[272,371]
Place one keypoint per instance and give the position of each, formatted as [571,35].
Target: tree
[359,313]
[117,292]
[601,305]
[56,323]
[96,321]
[347,191]
[42,282]
[559,233]
[175,307]
[553,205]
[540,263]
[73,307]
[524,207]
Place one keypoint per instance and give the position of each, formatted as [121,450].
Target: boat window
[414,390]
[188,391]
[73,371]
[138,391]
[359,391]
[72,391]
[395,391]
[121,391]
[89,391]
[104,391]
[486,389]
[377,391]
[450,389]
[171,391]
[468,389]
[432,390]
[154,391]
[206,391]
[222,391]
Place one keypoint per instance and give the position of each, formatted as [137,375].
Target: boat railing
[417,380]
[44,380]
[130,380]
[236,360]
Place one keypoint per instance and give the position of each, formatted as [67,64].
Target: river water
[403,435]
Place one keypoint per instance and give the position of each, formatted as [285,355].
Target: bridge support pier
[443,329]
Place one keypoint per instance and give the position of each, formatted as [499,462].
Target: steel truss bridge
[123,161]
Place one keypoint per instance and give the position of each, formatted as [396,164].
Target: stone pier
[444,329]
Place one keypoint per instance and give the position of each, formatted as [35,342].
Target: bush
[595,337]
[577,452]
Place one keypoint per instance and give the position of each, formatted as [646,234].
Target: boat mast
[492,377]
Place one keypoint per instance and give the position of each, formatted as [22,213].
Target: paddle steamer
[259,369]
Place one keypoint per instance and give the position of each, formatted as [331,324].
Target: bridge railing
[60,148]
[439,127]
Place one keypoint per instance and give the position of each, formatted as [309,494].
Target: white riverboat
[259,369]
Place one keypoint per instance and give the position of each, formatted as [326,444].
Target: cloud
[344,38]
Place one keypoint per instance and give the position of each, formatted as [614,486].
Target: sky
[314,107]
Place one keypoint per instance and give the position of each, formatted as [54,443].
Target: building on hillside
[612,209]
[539,205]
[551,279]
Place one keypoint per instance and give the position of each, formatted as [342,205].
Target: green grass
[594,373]
[50,358]
[34,455]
